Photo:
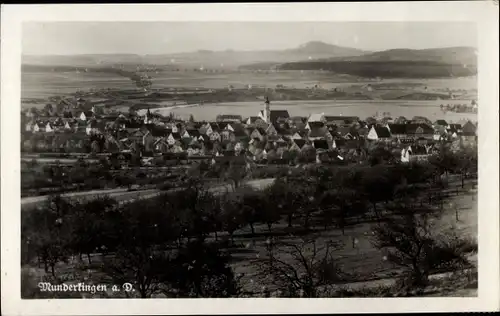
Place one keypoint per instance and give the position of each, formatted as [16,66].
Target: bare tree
[409,242]
[301,269]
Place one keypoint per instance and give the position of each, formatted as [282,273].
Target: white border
[484,13]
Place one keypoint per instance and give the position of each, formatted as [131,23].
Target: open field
[42,84]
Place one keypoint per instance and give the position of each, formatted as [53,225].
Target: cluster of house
[271,134]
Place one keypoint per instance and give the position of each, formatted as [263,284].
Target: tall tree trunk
[289,219]
[216,236]
[306,223]
[252,229]
[46,266]
[88,257]
[52,269]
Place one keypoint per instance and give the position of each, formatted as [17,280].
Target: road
[123,195]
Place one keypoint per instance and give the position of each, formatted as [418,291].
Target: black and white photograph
[240,159]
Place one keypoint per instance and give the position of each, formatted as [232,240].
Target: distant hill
[204,58]
[449,55]
[398,63]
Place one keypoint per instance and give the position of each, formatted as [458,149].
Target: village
[272,136]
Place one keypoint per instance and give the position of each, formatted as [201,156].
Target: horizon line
[236,51]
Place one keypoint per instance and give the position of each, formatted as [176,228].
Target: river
[361,108]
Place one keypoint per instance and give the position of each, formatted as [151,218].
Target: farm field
[44,84]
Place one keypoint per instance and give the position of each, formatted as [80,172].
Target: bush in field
[409,242]
[200,270]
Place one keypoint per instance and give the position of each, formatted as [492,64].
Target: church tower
[267,111]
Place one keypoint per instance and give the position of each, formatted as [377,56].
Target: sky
[70,38]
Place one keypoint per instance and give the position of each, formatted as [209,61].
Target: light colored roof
[316,117]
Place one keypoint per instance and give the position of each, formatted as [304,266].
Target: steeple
[267,111]
[147,118]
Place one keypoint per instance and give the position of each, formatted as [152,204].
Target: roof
[342,119]
[399,129]
[222,117]
[297,119]
[92,124]
[315,124]
[240,133]
[340,143]
[252,119]
[317,132]
[260,130]
[302,133]
[176,135]
[299,142]
[316,117]
[441,122]
[276,114]
[418,150]
[469,129]
[320,144]
[343,130]
[193,132]
[382,132]
[414,128]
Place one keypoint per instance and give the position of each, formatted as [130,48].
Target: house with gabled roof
[300,134]
[414,153]
[320,144]
[215,136]
[297,145]
[252,120]
[173,138]
[315,124]
[340,120]
[85,115]
[316,117]
[317,133]
[192,133]
[30,126]
[293,120]
[469,134]
[274,115]
[378,133]
[339,143]
[469,129]
[441,123]
[419,130]
[271,130]
[398,130]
